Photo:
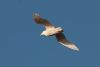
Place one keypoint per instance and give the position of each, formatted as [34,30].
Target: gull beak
[41,34]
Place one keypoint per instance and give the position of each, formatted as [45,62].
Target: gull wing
[40,20]
[62,40]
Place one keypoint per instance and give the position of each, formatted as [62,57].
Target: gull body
[52,31]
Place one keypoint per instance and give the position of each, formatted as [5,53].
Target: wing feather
[62,40]
[43,21]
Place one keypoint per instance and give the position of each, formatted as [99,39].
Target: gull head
[44,33]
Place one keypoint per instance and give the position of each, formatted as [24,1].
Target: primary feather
[40,20]
[62,40]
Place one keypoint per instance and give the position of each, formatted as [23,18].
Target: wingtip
[71,46]
[75,48]
[36,15]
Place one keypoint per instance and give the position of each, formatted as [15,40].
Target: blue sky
[22,46]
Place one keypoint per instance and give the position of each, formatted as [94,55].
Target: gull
[51,30]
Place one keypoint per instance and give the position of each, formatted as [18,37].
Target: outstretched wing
[40,20]
[62,40]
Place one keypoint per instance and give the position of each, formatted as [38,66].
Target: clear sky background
[22,46]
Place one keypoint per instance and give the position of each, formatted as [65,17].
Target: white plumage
[51,30]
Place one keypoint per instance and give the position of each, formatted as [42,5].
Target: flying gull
[51,30]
